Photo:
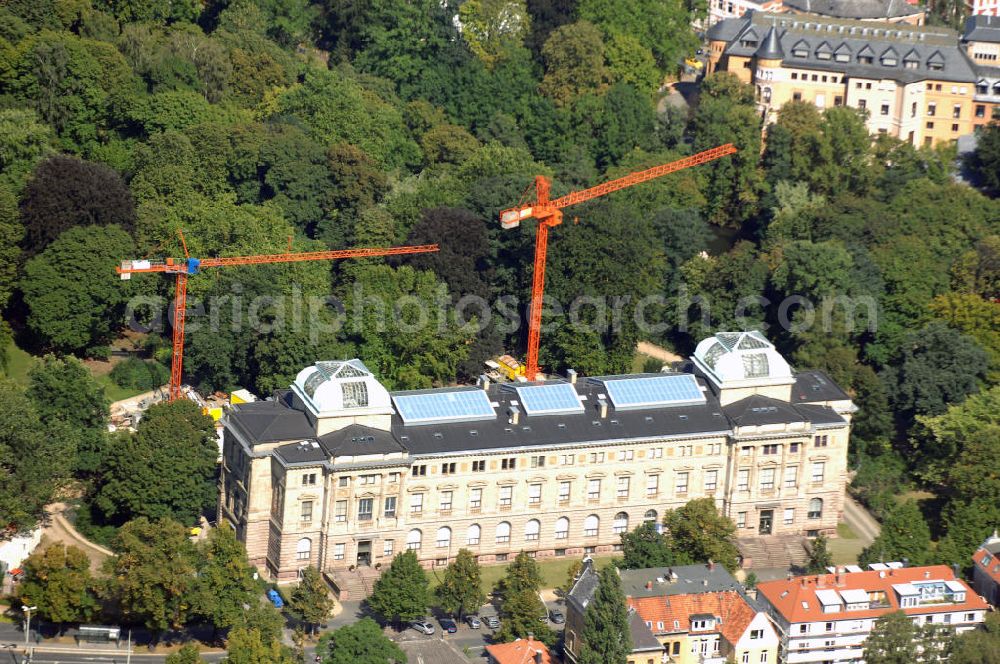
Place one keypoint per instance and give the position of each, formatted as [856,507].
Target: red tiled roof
[734,611]
[992,569]
[788,596]
[521,651]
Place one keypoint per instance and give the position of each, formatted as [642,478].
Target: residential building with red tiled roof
[986,569]
[694,613]
[827,617]
[520,651]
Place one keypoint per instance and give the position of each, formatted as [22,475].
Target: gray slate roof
[812,386]
[689,579]
[642,637]
[583,590]
[982,28]
[818,35]
[857,9]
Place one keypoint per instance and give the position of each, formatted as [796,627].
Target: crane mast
[548,212]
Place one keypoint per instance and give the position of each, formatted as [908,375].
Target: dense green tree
[521,575]
[72,279]
[188,654]
[978,646]
[152,573]
[265,618]
[819,556]
[892,640]
[24,139]
[519,617]
[574,62]
[11,233]
[985,161]
[631,62]
[646,547]
[976,317]
[401,594]
[359,643]
[311,601]
[165,470]
[904,534]
[702,534]
[491,27]
[34,460]
[154,10]
[247,646]
[461,590]
[225,585]
[663,26]
[57,580]
[605,636]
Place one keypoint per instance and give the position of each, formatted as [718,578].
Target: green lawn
[554,572]
[114,392]
[18,364]
[846,547]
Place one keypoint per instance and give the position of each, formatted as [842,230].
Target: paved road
[860,521]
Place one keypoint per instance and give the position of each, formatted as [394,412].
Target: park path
[860,520]
[57,528]
[657,352]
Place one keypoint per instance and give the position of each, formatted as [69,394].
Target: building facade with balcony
[827,617]
[337,472]
[914,83]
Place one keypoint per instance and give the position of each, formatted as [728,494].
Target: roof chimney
[711,565]
[514,414]
[484,381]
[538,657]
[649,585]
[821,580]
[805,581]
[602,407]
[571,375]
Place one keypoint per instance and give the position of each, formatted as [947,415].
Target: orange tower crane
[549,213]
[188,266]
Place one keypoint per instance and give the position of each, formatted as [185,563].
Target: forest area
[258,125]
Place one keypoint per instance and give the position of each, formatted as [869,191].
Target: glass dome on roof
[341,386]
[739,356]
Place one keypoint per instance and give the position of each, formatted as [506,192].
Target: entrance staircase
[774,551]
[353,585]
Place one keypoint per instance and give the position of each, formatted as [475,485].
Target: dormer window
[935,66]
[824,52]
[800,49]
[866,59]
[888,61]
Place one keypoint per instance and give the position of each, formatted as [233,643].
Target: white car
[423,626]
[474,622]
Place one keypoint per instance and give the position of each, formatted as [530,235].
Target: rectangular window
[821,441]
[741,519]
[448,468]
[745,658]
[818,471]
[419,471]
[506,496]
[508,464]
[342,481]
[746,450]
[387,548]
[534,494]
[309,479]
[340,511]
[716,448]
[652,485]
[711,480]
[593,489]
[771,450]
[479,466]
[626,455]
[793,448]
[307,511]
[930,125]
[390,507]
[365,508]
[954,127]
[656,453]
[862,104]
[368,479]
[743,479]
[338,552]
[795,76]
[980,111]
[838,100]
[445,504]
[597,457]
[622,491]
[416,503]
[756,634]
[791,473]
[564,491]
[393,478]
[475,498]
[763,657]
[932,109]
[567,459]
[681,485]
[538,462]
[789,516]
[766,479]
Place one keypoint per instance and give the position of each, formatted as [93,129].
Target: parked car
[557,617]
[423,626]
[448,625]
[493,622]
[474,622]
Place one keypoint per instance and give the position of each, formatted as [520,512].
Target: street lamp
[27,626]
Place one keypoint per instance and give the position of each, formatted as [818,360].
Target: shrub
[138,374]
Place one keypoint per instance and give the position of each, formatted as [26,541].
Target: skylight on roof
[443,406]
[647,391]
[549,399]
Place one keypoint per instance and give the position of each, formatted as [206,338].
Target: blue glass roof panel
[443,406]
[550,398]
[647,391]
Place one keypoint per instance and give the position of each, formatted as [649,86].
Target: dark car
[448,625]
[557,617]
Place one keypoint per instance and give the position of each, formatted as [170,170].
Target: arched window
[503,533]
[767,95]
[472,539]
[444,536]
[590,525]
[303,549]
[650,515]
[413,540]
[562,528]
[815,508]
[620,524]
[531,530]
